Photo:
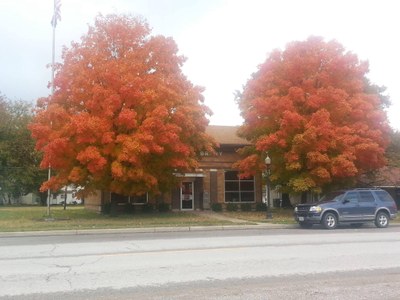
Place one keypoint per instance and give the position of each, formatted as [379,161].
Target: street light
[267,162]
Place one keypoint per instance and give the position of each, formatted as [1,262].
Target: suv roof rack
[371,188]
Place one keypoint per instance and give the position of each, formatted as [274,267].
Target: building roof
[226,135]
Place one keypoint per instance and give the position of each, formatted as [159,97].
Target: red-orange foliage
[123,116]
[315,112]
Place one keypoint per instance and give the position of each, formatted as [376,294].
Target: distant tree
[313,110]
[19,162]
[123,117]
[388,175]
[393,150]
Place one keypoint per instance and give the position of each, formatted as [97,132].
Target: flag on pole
[57,13]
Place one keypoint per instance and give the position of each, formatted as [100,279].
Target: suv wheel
[329,220]
[381,220]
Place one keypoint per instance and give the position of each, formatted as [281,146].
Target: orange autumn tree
[123,116]
[312,108]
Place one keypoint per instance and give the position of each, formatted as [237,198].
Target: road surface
[238,264]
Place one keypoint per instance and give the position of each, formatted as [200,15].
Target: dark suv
[354,207]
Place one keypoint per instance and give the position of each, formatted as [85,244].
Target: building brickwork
[207,183]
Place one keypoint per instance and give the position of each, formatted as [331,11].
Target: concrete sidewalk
[145,230]
[213,215]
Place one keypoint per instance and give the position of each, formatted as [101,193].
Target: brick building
[215,181]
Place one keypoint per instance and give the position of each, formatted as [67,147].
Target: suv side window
[351,197]
[384,196]
[366,196]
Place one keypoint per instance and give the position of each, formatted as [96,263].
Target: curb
[144,230]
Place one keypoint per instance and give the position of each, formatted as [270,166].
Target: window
[119,198]
[238,189]
[142,199]
[333,196]
[384,196]
[351,197]
[366,196]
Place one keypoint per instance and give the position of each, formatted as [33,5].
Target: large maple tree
[312,108]
[123,116]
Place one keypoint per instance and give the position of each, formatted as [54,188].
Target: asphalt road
[224,264]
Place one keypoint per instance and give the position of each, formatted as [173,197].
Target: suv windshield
[333,196]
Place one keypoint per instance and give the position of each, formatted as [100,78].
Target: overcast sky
[224,40]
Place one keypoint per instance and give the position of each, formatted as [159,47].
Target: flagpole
[53,23]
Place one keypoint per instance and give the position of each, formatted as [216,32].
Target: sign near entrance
[187,195]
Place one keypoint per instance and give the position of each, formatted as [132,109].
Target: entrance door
[187,195]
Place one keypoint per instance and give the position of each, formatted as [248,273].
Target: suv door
[349,209]
[367,205]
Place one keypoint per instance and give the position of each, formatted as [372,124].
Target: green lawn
[33,218]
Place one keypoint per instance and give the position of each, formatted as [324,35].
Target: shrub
[163,207]
[106,208]
[129,208]
[245,207]
[261,207]
[147,208]
[232,207]
[216,207]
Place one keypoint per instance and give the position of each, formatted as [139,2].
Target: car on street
[353,206]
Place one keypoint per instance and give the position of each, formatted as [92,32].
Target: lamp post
[267,162]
